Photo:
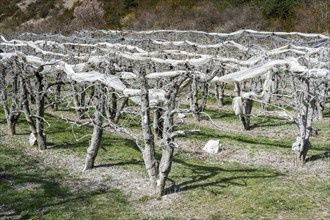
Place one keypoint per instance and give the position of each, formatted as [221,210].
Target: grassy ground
[202,187]
[34,191]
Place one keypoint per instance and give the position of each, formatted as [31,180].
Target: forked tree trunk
[148,137]
[307,106]
[97,130]
[164,168]
[35,127]
[94,146]
[40,110]
[26,109]
[168,140]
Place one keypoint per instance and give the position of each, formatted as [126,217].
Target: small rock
[180,115]
[32,140]
[212,147]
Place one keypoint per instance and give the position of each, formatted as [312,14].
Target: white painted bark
[148,137]
[97,130]
[307,106]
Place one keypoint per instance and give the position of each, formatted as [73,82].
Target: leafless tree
[9,93]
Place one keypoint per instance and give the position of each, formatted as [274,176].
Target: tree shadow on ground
[215,114]
[320,156]
[240,138]
[214,176]
[113,141]
[27,192]
[246,139]
[66,145]
[45,195]
[270,122]
[123,163]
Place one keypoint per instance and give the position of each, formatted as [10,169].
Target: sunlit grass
[36,193]
[208,188]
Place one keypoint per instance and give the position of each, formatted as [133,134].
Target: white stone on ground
[180,115]
[212,147]
[32,140]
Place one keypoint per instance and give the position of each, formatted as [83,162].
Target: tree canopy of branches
[105,74]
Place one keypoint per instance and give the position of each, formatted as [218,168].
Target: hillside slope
[65,16]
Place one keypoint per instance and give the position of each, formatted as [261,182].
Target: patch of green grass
[194,174]
[234,191]
[130,121]
[227,100]
[220,114]
[268,121]
[115,149]
[320,148]
[36,193]
[212,189]
[236,139]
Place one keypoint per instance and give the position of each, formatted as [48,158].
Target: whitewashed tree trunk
[97,130]
[168,140]
[148,137]
[26,109]
[307,103]
[164,168]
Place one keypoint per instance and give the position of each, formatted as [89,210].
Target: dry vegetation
[220,16]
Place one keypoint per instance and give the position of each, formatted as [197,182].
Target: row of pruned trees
[97,80]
